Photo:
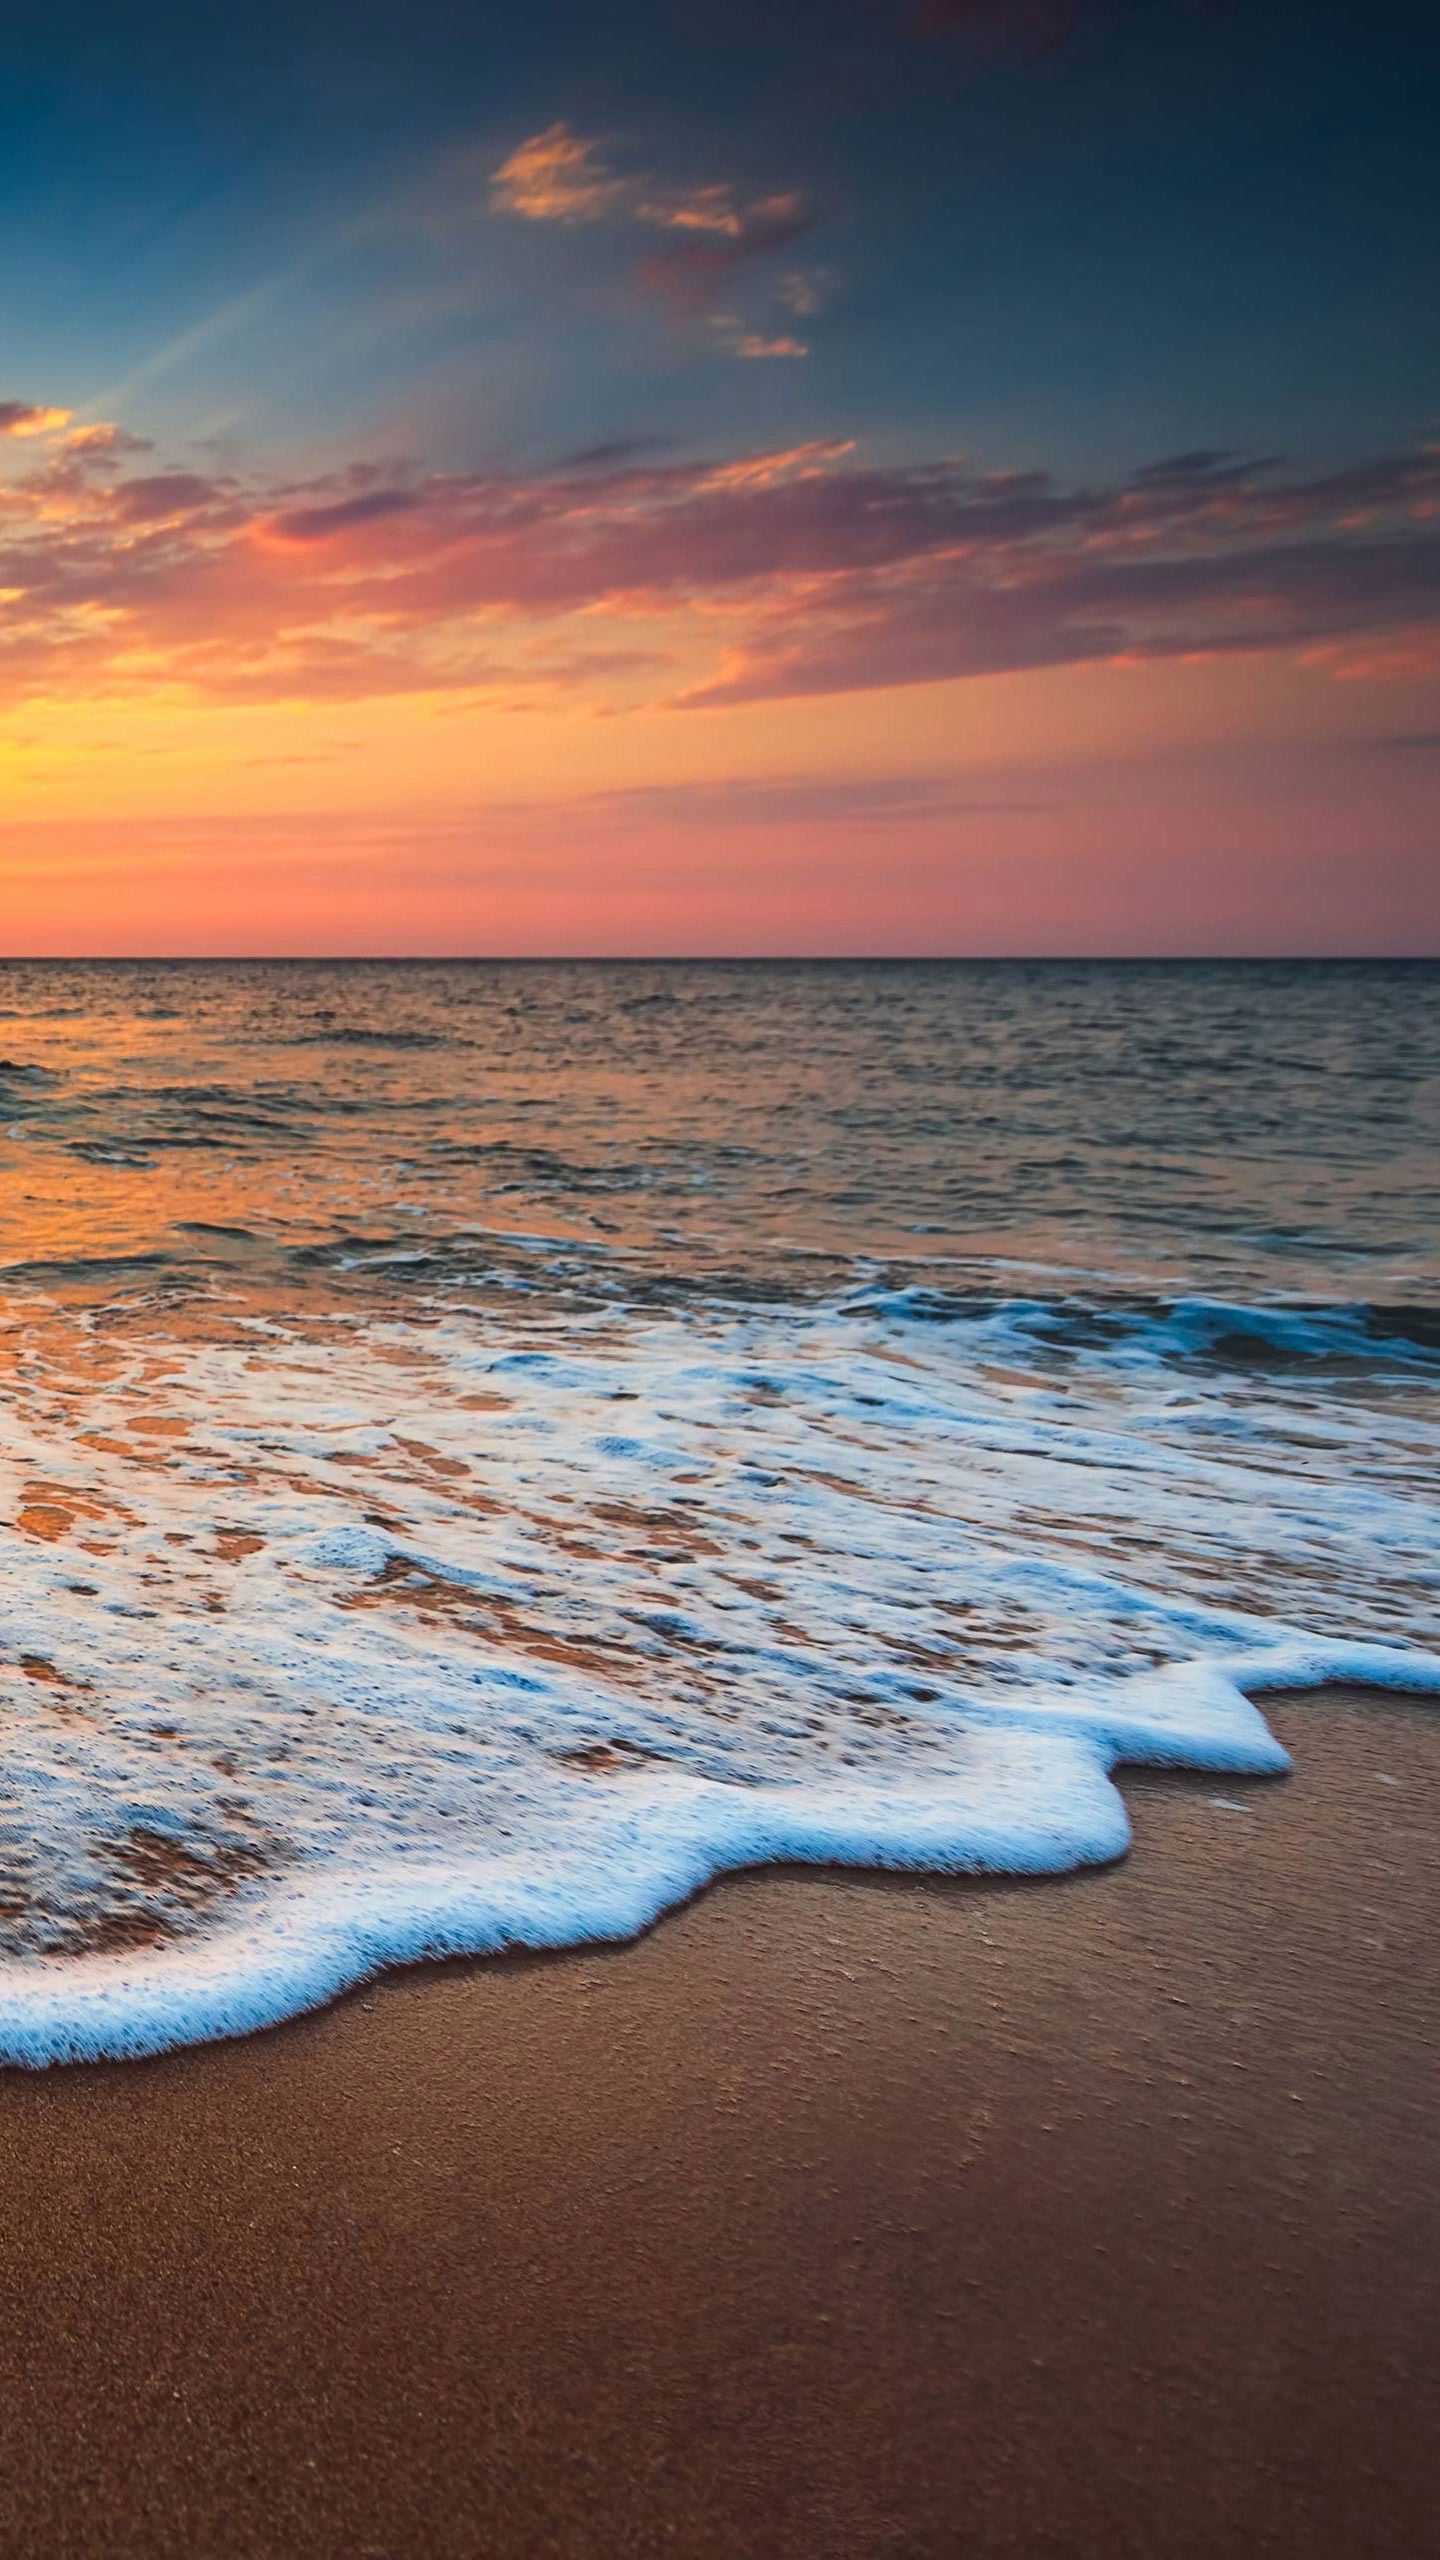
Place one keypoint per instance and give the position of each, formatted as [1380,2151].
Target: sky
[872,476]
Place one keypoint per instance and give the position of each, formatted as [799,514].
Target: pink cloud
[803,571]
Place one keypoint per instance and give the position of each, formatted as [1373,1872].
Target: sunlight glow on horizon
[534,529]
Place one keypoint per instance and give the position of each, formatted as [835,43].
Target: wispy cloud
[559,176]
[807,291]
[755,344]
[864,800]
[336,516]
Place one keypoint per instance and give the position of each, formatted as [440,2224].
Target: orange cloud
[752,344]
[557,176]
[103,441]
[21,418]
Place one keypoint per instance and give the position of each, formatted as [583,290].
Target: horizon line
[715,959]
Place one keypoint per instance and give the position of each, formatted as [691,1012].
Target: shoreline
[311,1943]
[839,2212]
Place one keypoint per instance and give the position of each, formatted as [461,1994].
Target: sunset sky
[855,476]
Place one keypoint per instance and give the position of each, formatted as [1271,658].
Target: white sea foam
[327,1644]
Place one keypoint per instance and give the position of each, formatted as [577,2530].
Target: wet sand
[839,2216]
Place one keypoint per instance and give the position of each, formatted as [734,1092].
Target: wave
[360,1036]
[67,1271]
[338,1642]
[1185,1328]
[106,1151]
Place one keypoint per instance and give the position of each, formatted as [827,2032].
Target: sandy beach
[840,2215]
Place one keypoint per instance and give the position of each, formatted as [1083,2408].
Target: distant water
[486,1447]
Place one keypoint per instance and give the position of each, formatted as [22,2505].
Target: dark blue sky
[1078,236]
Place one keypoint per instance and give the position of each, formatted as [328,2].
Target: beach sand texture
[837,2216]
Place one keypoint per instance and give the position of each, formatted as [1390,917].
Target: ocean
[488,1447]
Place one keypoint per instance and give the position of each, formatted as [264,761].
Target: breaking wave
[334,1637]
